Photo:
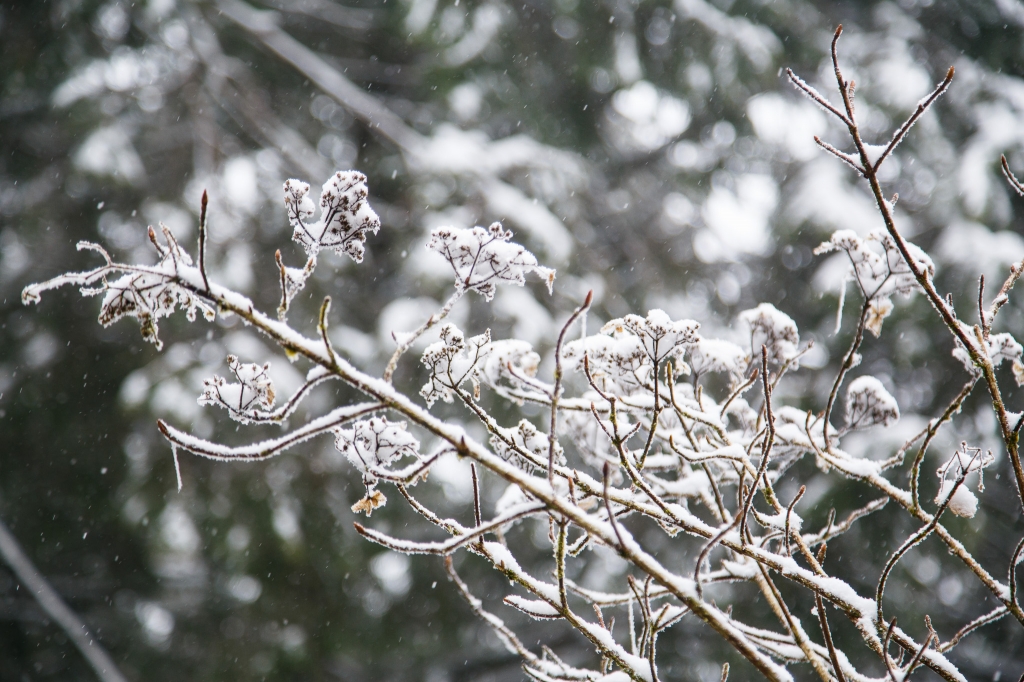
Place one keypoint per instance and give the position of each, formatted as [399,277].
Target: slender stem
[476,494]
[202,240]
[73,626]
[933,429]
[325,309]
[423,328]
[557,389]
[827,634]
[848,364]
[911,542]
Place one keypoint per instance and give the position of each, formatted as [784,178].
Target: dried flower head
[451,361]
[345,215]
[869,404]
[248,398]
[483,258]
[519,444]
[773,329]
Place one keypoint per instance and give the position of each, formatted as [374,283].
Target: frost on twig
[483,258]
[247,400]
[345,215]
[146,293]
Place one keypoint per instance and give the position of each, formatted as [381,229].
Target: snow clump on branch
[451,361]
[245,400]
[773,329]
[869,404]
[483,258]
[345,215]
[962,503]
[371,445]
[622,357]
[878,275]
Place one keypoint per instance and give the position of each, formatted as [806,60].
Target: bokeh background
[650,150]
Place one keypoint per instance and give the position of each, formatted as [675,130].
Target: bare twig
[202,240]
[556,391]
[48,599]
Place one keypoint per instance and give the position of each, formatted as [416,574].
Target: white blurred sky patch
[827,196]
[643,118]
[787,123]
[109,151]
[531,321]
[404,315]
[972,247]
[737,219]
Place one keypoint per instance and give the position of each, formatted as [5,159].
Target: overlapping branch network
[646,421]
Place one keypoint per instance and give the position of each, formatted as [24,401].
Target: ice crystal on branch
[483,258]
[869,404]
[246,400]
[345,215]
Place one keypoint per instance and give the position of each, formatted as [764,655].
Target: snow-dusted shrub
[629,432]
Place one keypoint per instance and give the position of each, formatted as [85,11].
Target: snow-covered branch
[646,419]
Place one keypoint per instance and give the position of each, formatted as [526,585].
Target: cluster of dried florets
[632,431]
[345,215]
[247,400]
[483,258]
[879,276]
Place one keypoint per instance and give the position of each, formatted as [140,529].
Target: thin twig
[48,599]
[325,308]
[476,494]
[202,240]
[552,437]
[827,633]
[423,328]
[990,617]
